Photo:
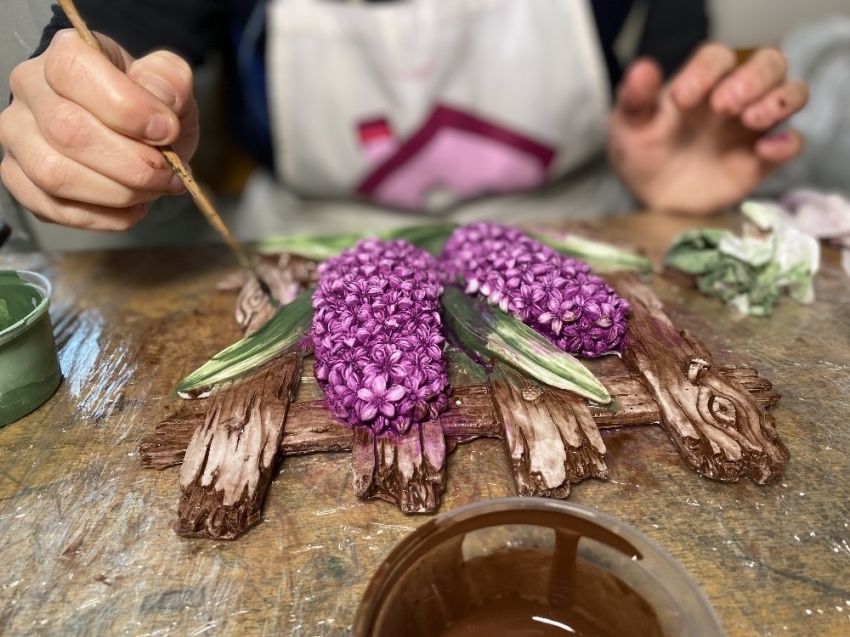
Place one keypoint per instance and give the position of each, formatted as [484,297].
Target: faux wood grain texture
[550,437]
[718,427]
[311,428]
[231,457]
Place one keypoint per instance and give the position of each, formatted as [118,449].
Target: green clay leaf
[429,237]
[5,316]
[751,271]
[282,334]
[598,254]
[493,333]
[315,247]
[695,251]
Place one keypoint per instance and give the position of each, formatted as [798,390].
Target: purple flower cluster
[553,294]
[376,333]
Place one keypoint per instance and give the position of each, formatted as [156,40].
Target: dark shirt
[235,28]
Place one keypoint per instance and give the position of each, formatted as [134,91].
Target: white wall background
[747,24]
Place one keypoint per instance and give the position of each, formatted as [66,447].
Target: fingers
[755,91]
[76,137]
[779,148]
[82,75]
[696,81]
[59,175]
[71,131]
[69,213]
[776,106]
[637,97]
[760,74]
[166,76]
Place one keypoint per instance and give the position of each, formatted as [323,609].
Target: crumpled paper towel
[751,271]
[821,215]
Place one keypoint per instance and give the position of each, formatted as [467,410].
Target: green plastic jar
[29,365]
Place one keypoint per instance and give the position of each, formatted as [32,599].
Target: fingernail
[157,129]
[756,116]
[784,136]
[175,186]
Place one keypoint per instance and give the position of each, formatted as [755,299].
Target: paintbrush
[180,169]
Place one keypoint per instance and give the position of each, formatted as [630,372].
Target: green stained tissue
[17,298]
[6,319]
[751,271]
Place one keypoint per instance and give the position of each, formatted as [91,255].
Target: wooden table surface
[87,546]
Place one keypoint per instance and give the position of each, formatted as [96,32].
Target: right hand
[78,139]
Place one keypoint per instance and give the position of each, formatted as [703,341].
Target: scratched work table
[87,546]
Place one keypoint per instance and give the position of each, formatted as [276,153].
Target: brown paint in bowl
[531,566]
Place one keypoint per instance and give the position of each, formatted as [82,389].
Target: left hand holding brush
[79,136]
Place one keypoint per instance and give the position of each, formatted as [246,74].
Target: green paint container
[29,365]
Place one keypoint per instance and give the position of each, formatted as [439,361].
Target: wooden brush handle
[171,157]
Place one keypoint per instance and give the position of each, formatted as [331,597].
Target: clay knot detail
[697,366]
[532,394]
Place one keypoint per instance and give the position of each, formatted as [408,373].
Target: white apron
[420,104]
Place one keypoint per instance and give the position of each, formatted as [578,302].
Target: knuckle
[18,78]
[178,66]
[138,180]
[127,198]
[150,173]
[5,128]
[6,176]
[126,109]
[61,215]
[59,64]
[68,127]
[50,173]
[178,76]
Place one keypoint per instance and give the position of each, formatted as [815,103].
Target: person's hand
[77,138]
[703,140]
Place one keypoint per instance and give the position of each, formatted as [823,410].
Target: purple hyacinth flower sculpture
[377,336]
[554,294]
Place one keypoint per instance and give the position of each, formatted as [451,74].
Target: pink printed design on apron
[457,155]
[377,140]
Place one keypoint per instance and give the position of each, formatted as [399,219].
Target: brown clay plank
[311,428]
[230,459]
[544,437]
[166,447]
[630,403]
[717,425]
[407,470]
[760,388]
[286,277]
[364,459]
[585,447]
[470,415]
